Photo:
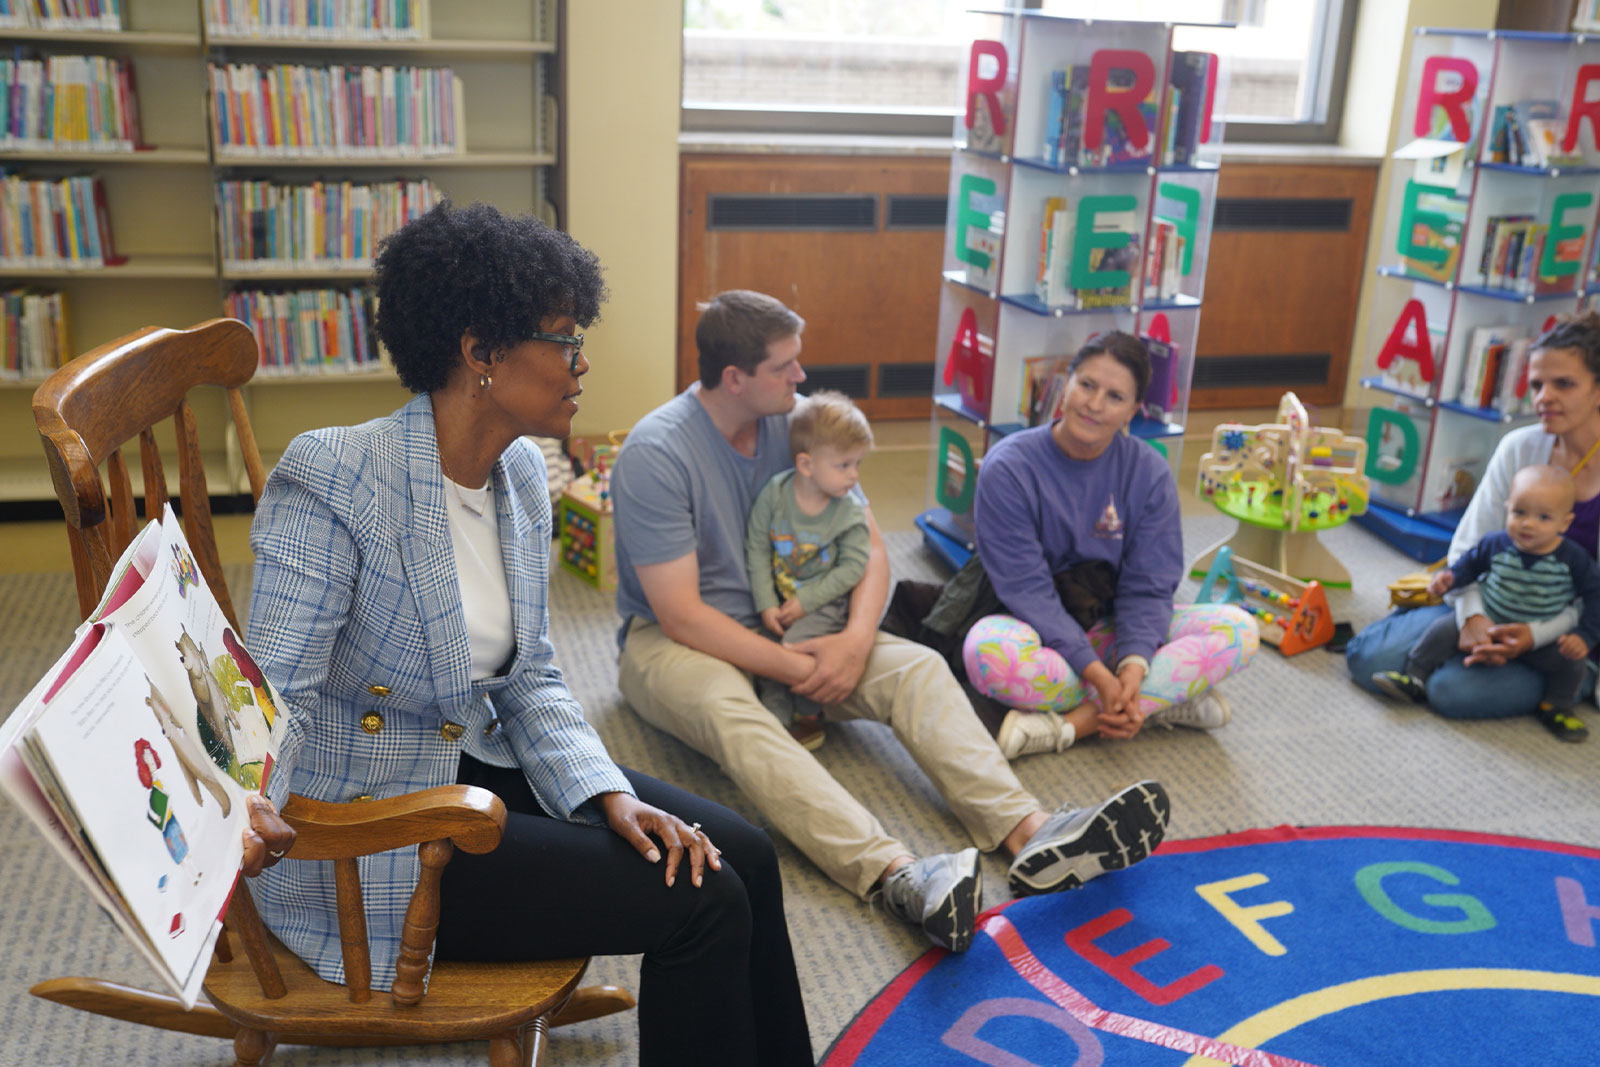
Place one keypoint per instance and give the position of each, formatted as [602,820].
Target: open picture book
[135,753]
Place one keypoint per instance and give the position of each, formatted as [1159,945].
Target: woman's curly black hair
[473,268]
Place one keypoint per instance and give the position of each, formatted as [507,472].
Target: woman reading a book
[399,605]
[1071,493]
[1485,681]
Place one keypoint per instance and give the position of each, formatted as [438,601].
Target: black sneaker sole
[953,923]
[1562,733]
[1399,692]
[1125,830]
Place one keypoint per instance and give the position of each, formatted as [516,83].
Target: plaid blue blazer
[356,611]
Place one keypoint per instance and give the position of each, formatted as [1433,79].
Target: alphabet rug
[1270,948]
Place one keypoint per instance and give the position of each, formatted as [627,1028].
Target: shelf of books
[1489,237]
[181,161]
[1081,200]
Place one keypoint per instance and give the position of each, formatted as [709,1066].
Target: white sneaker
[1207,711]
[1024,733]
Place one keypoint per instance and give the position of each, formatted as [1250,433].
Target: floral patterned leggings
[1205,644]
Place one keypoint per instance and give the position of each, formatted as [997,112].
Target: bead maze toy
[1292,615]
[1284,482]
[585,525]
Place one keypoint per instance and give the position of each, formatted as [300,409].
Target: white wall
[1380,59]
[624,67]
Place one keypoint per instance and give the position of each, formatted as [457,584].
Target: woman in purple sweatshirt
[1077,490]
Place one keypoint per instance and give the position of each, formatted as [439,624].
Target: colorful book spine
[68,103]
[54,224]
[320,225]
[90,15]
[319,20]
[34,335]
[286,110]
[309,331]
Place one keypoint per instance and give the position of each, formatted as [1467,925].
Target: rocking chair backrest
[100,401]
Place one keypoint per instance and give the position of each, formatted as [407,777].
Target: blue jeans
[1455,690]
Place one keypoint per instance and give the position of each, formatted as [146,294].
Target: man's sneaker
[1207,711]
[940,894]
[1076,845]
[1564,723]
[808,730]
[1401,686]
[1024,733]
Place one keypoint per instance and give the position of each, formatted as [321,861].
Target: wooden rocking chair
[86,412]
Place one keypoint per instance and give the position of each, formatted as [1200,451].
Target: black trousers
[717,983]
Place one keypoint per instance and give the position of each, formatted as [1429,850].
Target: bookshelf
[1065,223]
[163,199]
[1489,236]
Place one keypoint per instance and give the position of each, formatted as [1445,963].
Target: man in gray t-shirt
[682,487]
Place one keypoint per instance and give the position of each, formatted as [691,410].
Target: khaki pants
[711,706]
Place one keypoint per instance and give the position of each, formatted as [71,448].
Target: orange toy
[1292,615]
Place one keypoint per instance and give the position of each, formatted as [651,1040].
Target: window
[830,66]
[1286,59]
[893,66]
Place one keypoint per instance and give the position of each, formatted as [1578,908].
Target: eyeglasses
[573,341]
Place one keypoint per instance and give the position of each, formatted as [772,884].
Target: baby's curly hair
[473,268]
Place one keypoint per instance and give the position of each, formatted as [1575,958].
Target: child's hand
[1442,582]
[770,619]
[790,611]
[1572,646]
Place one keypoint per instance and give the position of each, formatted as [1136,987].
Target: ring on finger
[277,855]
[695,829]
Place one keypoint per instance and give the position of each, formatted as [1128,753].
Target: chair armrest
[471,817]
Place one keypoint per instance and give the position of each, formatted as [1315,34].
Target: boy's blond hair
[828,419]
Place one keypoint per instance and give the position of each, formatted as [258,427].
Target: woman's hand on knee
[635,821]
[1474,632]
[1500,644]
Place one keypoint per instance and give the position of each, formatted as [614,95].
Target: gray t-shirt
[679,487]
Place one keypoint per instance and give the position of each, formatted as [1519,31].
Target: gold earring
[484,381]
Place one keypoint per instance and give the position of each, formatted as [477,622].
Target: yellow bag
[1411,590]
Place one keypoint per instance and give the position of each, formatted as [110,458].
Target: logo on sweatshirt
[1109,525]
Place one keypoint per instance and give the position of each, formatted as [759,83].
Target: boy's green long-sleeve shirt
[818,558]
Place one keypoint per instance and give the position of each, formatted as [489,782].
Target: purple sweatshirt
[1039,511]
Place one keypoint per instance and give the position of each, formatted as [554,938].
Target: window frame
[1333,76]
[1332,71]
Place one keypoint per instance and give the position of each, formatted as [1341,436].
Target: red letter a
[1421,350]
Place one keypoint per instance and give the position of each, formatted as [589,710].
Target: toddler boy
[807,543]
[1527,571]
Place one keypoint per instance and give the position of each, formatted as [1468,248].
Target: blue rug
[1271,948]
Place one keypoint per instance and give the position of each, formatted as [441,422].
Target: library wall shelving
[1489,237]
[1081,196]
[482,79]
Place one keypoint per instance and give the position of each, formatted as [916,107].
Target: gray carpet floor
[1305,747]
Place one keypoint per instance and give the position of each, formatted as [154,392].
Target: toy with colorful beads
[1284,481]
[1291,615]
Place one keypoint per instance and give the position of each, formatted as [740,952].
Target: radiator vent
[785,211]
[1280,213]
[907,212]
[1235,372]
[854,380]
[905,379]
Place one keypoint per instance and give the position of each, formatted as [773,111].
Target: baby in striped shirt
[1526,572]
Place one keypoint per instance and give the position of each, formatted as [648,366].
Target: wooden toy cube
[585,525]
